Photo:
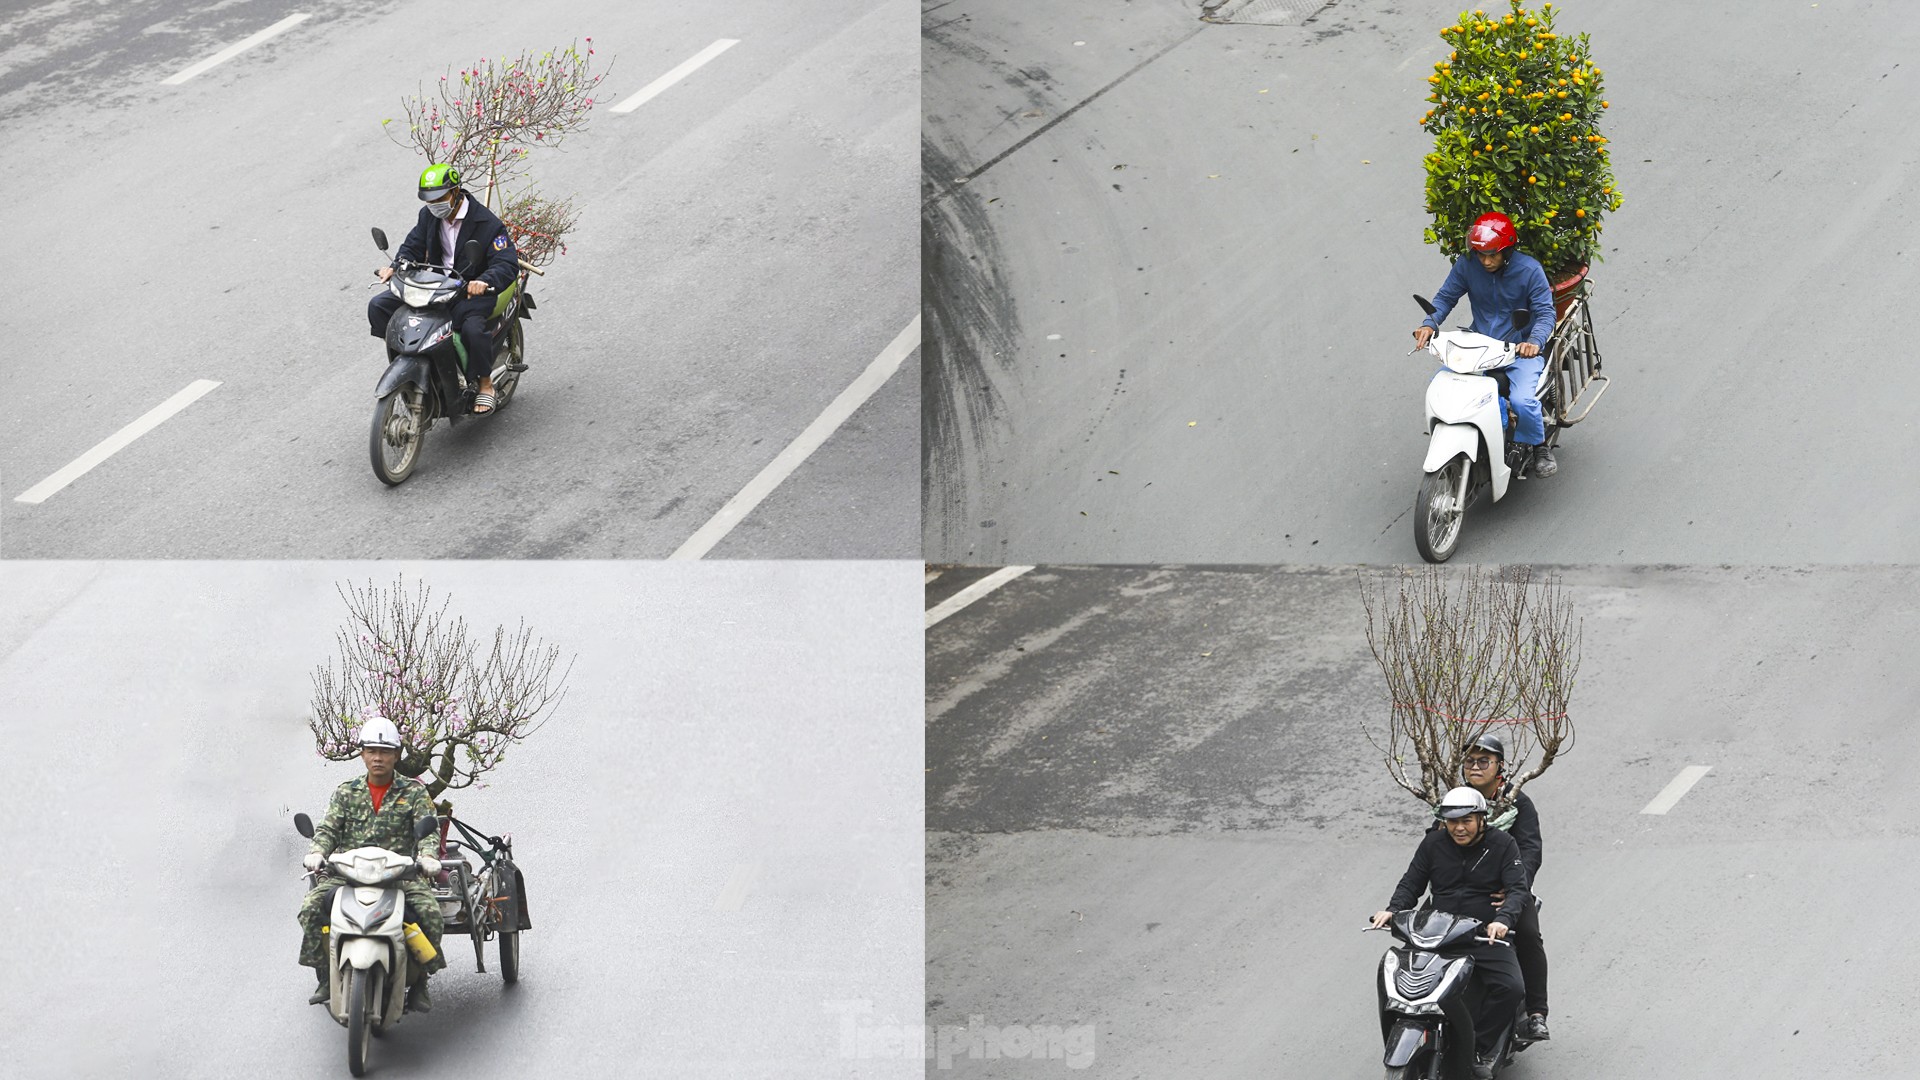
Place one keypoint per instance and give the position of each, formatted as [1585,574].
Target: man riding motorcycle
[1501,279]
[1464,864]
[1485,769]
[450,219]
[377,810]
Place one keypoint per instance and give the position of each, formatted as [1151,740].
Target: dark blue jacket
[496,246]
[1520,283]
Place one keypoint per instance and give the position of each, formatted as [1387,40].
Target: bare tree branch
[486,119]
[1492,650]
[402,658]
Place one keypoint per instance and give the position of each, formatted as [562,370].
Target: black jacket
[1464,879]
[482,224]
[1525,831]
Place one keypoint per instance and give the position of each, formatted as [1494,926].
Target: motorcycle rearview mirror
[303,825]
[380,238]
[426,827]
[470,253]
[1424,305]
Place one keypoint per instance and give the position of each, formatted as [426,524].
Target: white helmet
[1460,802]
[379,731]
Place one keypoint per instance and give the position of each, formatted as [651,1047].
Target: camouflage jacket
[351,822]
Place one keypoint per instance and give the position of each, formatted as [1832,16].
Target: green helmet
[437,180]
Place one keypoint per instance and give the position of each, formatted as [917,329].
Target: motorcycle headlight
[416,295]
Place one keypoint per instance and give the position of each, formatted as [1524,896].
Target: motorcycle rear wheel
[399,434]
[1439,516]
[516,348]
[363,1003]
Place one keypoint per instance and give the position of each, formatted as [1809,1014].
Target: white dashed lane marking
[236,49]
[116,442]
[1681,784]
[658,86]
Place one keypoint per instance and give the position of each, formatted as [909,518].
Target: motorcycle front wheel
[363,1003]
[399,433]
[1439,514]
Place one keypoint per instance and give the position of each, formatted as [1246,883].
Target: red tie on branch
[1463,720]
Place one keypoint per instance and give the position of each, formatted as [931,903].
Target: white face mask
[442,209]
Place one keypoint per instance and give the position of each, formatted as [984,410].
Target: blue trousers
[1522,376]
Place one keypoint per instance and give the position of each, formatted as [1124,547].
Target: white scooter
[367,955]
[1468,422]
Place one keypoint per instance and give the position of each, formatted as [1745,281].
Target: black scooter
[1427,997]
[426,375]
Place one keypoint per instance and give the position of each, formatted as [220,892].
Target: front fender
[1403,1042]
[365,952]
[403,370]
[1449,440]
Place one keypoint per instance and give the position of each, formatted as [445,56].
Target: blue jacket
[1520,283]
[500,262]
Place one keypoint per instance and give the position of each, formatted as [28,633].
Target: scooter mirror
[426,827]
[470,253]
[380,238]
[1424,305]
[303,825]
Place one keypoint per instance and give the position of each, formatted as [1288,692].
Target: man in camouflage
[352,821]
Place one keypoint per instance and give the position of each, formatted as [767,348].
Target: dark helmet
[1492,232]
[1491,744]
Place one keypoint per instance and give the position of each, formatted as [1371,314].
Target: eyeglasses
[1480,762]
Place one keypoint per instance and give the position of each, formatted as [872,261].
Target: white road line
[1682,784]
[236,49]
[973,592]
[116,442]
[658,86]
[735,892]
[782,466]
[933,576]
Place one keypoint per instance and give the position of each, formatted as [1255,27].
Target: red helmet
[1491,232]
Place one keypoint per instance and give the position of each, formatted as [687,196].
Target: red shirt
[378,793]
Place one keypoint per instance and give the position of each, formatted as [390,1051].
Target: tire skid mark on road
[994,668]
[115,442]
[236,49]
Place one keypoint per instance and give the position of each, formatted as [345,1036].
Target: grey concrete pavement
[1173,325]
[754,715]
[744,251]
[1150,808]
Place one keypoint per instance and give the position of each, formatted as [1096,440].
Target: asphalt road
[1150,808]
[743,731]
[744,251]
[1173,326]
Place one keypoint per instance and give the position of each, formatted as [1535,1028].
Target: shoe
[1543,463]
[417,999]
[1483,1067]
[321,993]
[1534,1029]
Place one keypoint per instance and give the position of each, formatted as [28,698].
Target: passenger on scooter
[450,219]
[1464,864]
[1501,279]
[1485,769]
[377,810]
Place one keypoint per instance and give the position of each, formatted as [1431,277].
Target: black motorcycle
[1427,996]
[426,375]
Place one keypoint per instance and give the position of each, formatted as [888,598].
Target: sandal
[482,403]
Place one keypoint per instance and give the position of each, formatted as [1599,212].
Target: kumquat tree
[458,709]
[1465,653]
[486,119]
[1515,119]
